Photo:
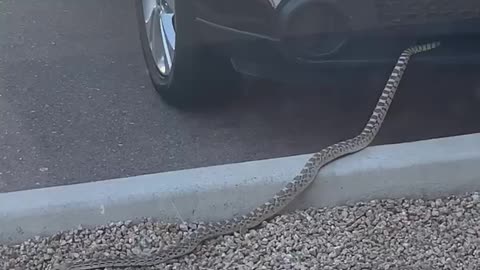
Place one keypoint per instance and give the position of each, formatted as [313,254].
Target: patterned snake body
[282,198]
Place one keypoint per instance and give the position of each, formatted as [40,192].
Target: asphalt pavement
[76,104]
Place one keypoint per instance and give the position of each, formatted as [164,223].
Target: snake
[283,197]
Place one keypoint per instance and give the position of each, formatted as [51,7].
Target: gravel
[382,234]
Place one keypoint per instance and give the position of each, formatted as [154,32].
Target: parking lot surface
[77,105]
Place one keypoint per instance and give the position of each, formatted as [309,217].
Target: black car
[195,50]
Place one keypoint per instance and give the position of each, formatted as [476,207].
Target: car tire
[198,76]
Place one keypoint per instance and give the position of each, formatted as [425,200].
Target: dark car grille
[405,12]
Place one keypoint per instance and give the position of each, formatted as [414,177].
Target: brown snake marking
[282,198]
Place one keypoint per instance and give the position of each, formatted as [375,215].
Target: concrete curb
[419,169]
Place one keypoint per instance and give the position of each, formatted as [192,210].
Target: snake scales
[282,198]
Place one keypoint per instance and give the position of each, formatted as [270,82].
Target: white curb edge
[426,169]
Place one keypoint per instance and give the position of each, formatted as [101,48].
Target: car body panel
[255,32]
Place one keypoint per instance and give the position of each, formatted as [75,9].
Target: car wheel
[185,72]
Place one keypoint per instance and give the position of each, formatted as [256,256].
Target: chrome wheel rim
[160,27]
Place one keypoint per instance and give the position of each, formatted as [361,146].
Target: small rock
[183,227]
